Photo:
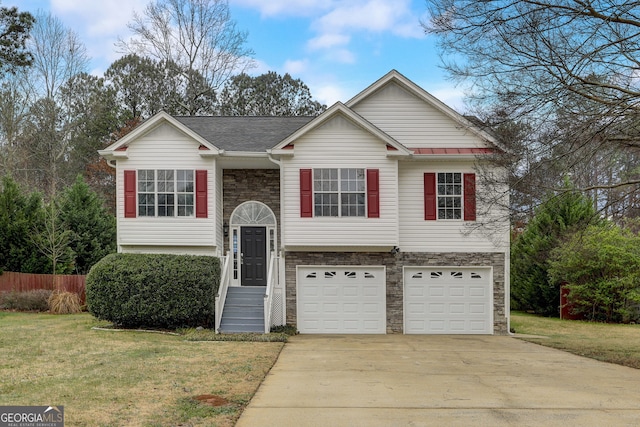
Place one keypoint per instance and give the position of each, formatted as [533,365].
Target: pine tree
[555,219]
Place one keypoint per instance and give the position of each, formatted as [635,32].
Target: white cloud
[295,67]
[327,93]
[343,56]
[327,41]
[99,25]
[338,23]
[280,8]
[103,18]
[394,16]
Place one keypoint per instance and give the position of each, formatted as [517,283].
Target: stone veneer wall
[394,264]
[243,185]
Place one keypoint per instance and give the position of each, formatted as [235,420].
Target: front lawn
[109,378]
[602,341]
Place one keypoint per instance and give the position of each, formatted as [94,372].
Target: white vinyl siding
[339,144]
[413,122]
[418,235]
[166,148]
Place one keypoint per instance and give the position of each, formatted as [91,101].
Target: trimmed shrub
[36,300]
[154,291]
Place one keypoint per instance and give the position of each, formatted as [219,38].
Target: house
[360,220]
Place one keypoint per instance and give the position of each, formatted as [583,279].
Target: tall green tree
[144,86]
[91,115]
[14,32]
[92,227]
[19,215]
[601,267]
[269,94]
[556,219]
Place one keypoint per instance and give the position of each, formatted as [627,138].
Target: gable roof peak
[398,78]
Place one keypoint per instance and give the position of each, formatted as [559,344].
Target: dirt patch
[212,400]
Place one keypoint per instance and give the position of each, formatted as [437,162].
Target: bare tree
[58,55]
[199,36]
[566,68]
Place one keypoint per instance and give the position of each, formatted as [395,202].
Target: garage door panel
[457,291]
[443,300]
[436,308]
[351,299]
[477,309]
[457,309]
[436,291]
[351,291]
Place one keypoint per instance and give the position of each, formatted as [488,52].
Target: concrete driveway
[412,380]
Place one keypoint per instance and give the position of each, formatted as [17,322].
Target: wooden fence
[23,282]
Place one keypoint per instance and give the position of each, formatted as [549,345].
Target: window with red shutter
[469,196]
[430,196]
[202,208]
[130,194]
[306,193]
[373,193]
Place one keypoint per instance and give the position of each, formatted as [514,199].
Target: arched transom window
[250,213]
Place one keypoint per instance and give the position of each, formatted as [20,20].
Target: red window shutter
[373,193]
[201,194]
[430,197]
[306,193]
[130,194]
[469,181]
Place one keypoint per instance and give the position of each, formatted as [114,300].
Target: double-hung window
[166,193]
[449,195]
[339,192]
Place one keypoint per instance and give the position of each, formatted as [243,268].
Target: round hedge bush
[154,291]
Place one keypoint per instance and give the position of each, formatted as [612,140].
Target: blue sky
[337,47]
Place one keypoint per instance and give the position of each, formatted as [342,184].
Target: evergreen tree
[93,229]
[19,215]
[555,219]
[14,32]
[269,94]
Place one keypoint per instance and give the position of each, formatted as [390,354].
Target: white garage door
[341,300]
[451,300]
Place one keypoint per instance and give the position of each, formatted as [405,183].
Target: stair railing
[272,277]
[225,280]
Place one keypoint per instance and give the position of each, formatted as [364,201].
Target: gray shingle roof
[244,133]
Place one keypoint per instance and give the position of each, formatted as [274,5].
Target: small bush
[36,300]
[285,329]
[62,302]
[153,291]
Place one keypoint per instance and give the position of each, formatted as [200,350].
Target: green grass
[118,378]
[612,343]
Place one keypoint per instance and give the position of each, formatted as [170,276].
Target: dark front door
[254,256]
